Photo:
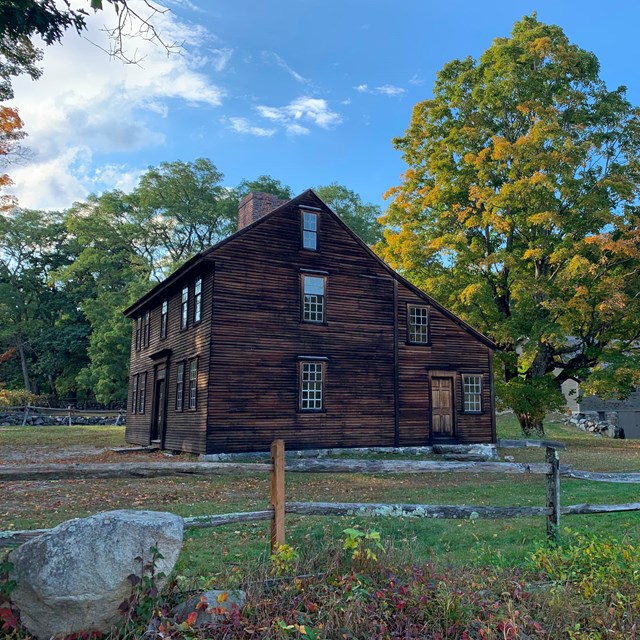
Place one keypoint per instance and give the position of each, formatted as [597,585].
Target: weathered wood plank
[346,465]
[553,494]
[277,494]
[446,511]
[526,444]
[624,478]
[13,538]
[226,518]
[128,470]
[576,509]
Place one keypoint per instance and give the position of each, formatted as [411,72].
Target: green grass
[61,436]
[230,554]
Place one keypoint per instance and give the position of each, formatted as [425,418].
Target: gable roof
[299,201]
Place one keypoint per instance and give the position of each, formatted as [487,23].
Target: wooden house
[293,328]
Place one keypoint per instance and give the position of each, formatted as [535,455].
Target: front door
[157,426]
[442,407]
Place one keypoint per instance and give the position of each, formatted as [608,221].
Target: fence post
[69,410]
[553,494]
[277,494]
[26,415]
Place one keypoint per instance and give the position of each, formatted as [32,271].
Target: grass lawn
[228,555]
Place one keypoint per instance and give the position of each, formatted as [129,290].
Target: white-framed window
[313,297]
[311,386]
[138,333]
[472,393]
[418,324]
[193,383]
[180,386]
[134,394]
[146,329]
[197,301]
[184,307]
[164,318]
[310,230]
[143,392]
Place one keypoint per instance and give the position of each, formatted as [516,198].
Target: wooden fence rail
[278,467]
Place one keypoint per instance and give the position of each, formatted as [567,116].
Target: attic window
[197,301]
[310,230]
[418,325]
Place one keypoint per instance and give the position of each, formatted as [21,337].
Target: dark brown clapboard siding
[258,336]
[451,349]
[186,430]
[251,339]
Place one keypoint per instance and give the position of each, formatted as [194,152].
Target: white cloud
[303,109]
[297,130]
[384,90]
[87,104]
[271,56]
[242,125]
[221,58]
[416,80]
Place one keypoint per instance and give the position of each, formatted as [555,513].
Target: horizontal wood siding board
[186,430]
[451,349]
[258,338]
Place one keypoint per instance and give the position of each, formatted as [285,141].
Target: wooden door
[442,407]
[157,426]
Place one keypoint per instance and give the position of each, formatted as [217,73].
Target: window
[184,308]
[313,298]
[143,392]
[418,325]
[309,230]
[197,301]
[164,318]
[311,393]
[180,387]
[193,383]
[138,333]
[472,393]
[146,329]
[134,394]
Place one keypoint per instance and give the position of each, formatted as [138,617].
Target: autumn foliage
[519,210]
[10,133]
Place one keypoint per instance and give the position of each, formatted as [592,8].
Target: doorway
[442,407]
[159,407]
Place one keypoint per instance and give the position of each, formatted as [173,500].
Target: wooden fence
[278,467]
[68,413]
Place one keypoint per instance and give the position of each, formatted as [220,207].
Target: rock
[75,577]
[209,613]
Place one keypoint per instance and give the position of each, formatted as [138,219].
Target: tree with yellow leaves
[519,211]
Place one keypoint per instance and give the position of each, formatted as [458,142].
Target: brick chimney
[255,205]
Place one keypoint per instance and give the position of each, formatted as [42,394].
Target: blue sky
[308,91]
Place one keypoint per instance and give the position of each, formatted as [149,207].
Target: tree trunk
[23,363]
[530,426]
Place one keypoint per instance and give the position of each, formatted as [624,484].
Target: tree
[39,322]
[108,274]
[10,135]
[22,20]
[361,218]
[519,210]
[184,209]
[264,184]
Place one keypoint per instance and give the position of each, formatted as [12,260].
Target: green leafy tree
[519,210]
[108,274]
[183,208]
[360,217]
[264,184]
[40,321]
